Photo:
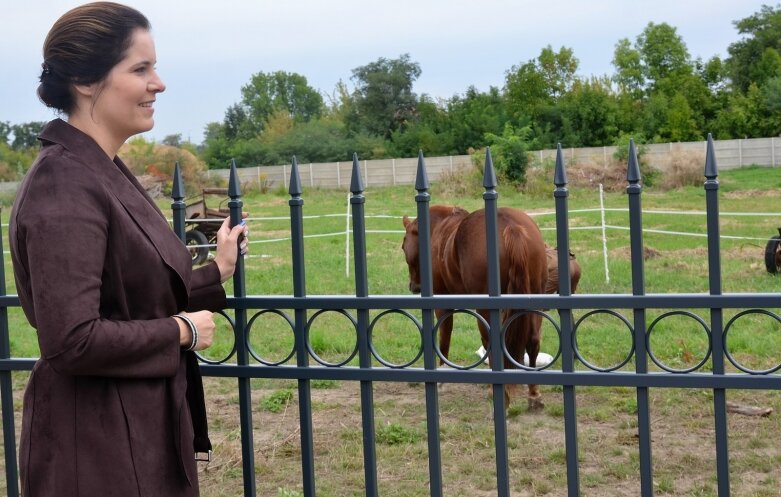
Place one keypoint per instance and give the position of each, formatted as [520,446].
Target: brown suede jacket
[99,274]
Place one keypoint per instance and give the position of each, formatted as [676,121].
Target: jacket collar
[121,183]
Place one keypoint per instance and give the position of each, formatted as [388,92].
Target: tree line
[657,93]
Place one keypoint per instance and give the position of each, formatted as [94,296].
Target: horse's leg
[445,331]
[533,323]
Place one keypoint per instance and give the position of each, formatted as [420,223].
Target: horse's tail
[519,272]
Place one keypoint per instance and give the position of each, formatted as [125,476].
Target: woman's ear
[85,90]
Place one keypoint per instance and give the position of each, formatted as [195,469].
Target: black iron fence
[304,365]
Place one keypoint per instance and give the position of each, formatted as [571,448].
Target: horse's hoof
[536,404]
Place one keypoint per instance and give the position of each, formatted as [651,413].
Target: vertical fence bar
[717,317]
[490,197]
[565,315]
[7,390]
[235,205]
[422,200]
[357,201]
[296,204]
[634,192]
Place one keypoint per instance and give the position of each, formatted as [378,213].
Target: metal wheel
[196,243]
[772,256]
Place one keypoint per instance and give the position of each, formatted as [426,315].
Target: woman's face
[124,106]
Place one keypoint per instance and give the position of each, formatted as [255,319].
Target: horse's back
[521,252]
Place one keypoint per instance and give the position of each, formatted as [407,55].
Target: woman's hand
[204,323]
[228,247]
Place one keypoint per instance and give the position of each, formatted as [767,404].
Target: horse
[459,266]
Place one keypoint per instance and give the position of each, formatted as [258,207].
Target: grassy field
[682,421]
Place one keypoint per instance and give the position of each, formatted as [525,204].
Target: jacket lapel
[121,183]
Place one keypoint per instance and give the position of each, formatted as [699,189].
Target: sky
[208,49]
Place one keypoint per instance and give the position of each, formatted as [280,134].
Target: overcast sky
[208,49]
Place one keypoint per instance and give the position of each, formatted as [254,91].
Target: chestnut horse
[459,266]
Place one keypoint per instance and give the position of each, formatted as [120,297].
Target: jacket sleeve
[62,252]
[206,291]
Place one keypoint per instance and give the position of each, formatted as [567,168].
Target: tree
[383,100]
[533,90]
[761,30]
[26,134]
[5,130]
[473,115]
[662,50]
[266,94]
[540,82]
[589,113]
[629,75]
[173,140]
[509,152]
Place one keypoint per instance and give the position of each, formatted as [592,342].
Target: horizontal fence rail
[365,365]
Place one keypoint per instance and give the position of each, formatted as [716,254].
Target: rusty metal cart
[203,223]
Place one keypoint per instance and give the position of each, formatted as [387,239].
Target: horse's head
[410,248]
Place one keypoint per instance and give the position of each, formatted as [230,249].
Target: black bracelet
[193,331]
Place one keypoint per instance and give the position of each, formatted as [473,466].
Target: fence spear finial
[559,175]
[489,174]
[421,178]
[711,170]
[633,169]
[356,184]
[234,187]
[295,179]
[177,189]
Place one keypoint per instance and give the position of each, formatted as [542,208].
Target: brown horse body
[459,266]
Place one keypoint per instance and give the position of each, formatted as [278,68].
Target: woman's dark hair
[82,47]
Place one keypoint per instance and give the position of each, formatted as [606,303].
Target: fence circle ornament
[377,354]
[444,359]
[233,349]
[254,353]
[311,349]
[582,359]
[658,361]
[506,352]
[729,355]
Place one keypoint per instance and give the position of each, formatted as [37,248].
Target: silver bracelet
[193,331]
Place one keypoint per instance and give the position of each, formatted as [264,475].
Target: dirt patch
[681,423]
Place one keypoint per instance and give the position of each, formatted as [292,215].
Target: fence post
[773,151]
[604,231]
[357,201]
[422,199]
[717,317]
[302,359]
[740,152]
[637,250]
[393,169]
[235,205]
[490,196]
[565,315]
[6,391]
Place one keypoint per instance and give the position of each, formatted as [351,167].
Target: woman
[114,406]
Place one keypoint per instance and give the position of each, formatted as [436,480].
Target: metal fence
[304,365]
